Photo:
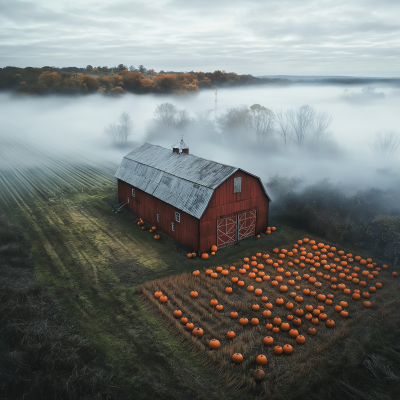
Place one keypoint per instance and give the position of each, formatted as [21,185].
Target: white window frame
[133,193]
[237,185]
[177,216]
[158,217]
[173,227]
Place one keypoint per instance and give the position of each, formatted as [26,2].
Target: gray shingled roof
[185,181]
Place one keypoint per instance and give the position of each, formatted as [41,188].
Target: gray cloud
[274,37]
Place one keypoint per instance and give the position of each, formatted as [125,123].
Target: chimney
[180,148]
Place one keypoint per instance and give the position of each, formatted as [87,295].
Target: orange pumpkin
[300,339]
[230,335]
[268,341]
[261,360]
[285,326]
[163,299]
[312,331]
[293,333]
[330,323]
[214,344]
[237,358]
[277,321]
[189,326]
[296,322]
[178,314]
[287,349]
[194,294]
[198,332]
[254,321]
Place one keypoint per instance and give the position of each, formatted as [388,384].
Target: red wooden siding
[225,203]
[147,207]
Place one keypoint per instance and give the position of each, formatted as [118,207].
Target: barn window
[173,227]
[237,185]
[127,200]
[133,192]
[158,217]
[177,217]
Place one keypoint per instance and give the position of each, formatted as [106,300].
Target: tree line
[303,126]
[298,126]
[368,219]
[118,80]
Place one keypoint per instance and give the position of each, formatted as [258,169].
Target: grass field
[92,262]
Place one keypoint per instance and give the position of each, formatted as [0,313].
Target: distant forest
[118,80]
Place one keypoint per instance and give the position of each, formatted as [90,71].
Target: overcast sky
[309,37]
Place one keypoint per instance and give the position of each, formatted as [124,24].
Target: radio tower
[216,101]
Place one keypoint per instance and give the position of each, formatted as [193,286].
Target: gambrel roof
[184,181]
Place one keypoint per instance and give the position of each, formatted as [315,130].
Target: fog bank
[77,125]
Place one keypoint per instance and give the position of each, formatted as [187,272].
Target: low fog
[348,152]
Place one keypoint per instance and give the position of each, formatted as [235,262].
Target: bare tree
[235,123]
[126,126]
[262,121]
[165,115]
[169,116]
[120,133]
[113,131]
[386,143]
[301,120]
[182,119]
[284,131]
[204,124]
[321,123]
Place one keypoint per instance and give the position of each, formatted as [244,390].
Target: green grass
[92,261]
[75,244]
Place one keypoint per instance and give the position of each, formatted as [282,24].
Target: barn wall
[225,203]
[147,207]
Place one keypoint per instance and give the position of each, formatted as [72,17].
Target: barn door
[246,224]
[226,231]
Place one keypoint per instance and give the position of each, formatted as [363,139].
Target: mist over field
[76,125]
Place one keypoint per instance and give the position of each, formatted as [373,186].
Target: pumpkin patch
[279,302]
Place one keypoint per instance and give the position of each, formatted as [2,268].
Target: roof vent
[180,147]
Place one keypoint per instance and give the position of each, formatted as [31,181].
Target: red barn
[198,202]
